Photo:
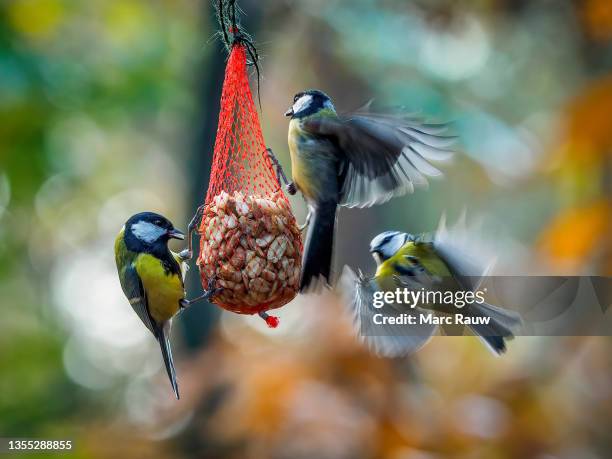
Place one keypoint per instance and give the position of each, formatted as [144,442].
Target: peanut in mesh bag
[251,248]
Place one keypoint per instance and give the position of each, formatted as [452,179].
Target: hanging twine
[250,244]
[233,34]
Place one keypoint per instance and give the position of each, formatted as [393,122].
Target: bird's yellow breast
[384,275]
[424,253]
[313,163]
[164,290]
[299,170]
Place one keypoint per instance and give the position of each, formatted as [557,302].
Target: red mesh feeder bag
[250,244]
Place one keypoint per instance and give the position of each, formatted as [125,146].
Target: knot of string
[233,34]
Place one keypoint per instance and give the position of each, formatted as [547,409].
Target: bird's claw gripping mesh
[250,242]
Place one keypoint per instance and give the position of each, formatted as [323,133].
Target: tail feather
[501,326]
[318,249]
[164,343]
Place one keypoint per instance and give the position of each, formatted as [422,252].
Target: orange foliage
[577,236]
[597,16]
[588,121]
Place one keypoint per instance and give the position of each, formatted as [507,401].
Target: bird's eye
[296,97]
[157,222]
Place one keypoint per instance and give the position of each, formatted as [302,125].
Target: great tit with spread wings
[355,160]
[152,277]
[415,263]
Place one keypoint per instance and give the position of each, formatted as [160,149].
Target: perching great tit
[151,277]
[355,160]
[404,261]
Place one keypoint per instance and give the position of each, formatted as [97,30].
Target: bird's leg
[207,295]
[399,281]
[307,221]
[187,254]
[405,282]
[185,303]
[280,173]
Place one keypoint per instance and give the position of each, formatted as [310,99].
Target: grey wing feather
[386,155]
[462,250]
[383,340]
[133,289]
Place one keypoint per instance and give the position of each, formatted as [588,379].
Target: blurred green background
[109,107]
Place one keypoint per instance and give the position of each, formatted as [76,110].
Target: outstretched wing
[134,290]
[385,155]
[382,339]
[464,252]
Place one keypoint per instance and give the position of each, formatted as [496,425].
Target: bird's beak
[289,112]
[176,234]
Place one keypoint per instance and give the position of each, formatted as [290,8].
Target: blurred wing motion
[469,261]
[463,252]
[385,155]
[384,340]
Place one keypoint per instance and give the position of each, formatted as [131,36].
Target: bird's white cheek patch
[302,103]
[147,232]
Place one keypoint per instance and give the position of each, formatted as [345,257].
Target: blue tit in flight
[152,277]
[356,159]
[407,262]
